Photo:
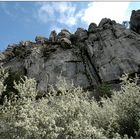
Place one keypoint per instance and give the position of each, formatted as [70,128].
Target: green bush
[104,90]
[127,102]
[71,114]
[9,84]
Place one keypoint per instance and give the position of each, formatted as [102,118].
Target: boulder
[41,40]
[64,34]
[53,36]
[30,43]
[104,21]
[135,21]
[81,34]
[92,28]
[65,43]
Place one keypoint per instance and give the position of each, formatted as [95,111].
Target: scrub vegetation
[72,114]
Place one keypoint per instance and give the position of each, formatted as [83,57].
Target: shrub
[127,102]
[71,114]
[9,84]
[3,76]
[104,90]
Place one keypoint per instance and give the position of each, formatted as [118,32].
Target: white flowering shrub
[127,102]
[72,114]
[26,88]
[3,76]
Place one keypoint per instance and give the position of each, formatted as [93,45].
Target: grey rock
[92,28]
[53,36]
[62,62]
[9,48]
[65,64]
[8,55]
[65,43]
[106,23]
[2,56]
[101,56]
[40,40]
[116,52]
[81,34]
[135,21]
[92,37]
[64,34]
[30,43]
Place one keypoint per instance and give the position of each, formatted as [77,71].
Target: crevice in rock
[90,70]
[73,61]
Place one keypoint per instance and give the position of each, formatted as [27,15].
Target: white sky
[114,10]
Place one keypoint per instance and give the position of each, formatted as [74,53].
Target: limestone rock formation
[81,34]
[64,34]
[135,21]
[88,57]
[65,43]
[113,50]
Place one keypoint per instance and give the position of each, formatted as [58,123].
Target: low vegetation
[104,90]
[71,114]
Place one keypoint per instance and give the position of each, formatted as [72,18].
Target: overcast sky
[20,21]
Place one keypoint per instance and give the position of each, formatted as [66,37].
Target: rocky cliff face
[88,57]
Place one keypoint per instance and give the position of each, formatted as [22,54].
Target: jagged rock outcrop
[66,63]
[64,34]
[88,57]
[92,28]
[135,21]
[53,36]
[41,40]
[113,50]
[81,34]
[65,43]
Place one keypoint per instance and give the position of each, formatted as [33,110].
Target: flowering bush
[3,76]
[72,114]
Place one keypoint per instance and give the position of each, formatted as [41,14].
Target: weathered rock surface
[41,40]
[88,58]
[113,50]
[92,28]
[65,43]
[63,34]
[135,21]
[65,63]
[81,34]
[2,56]
[53,36]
